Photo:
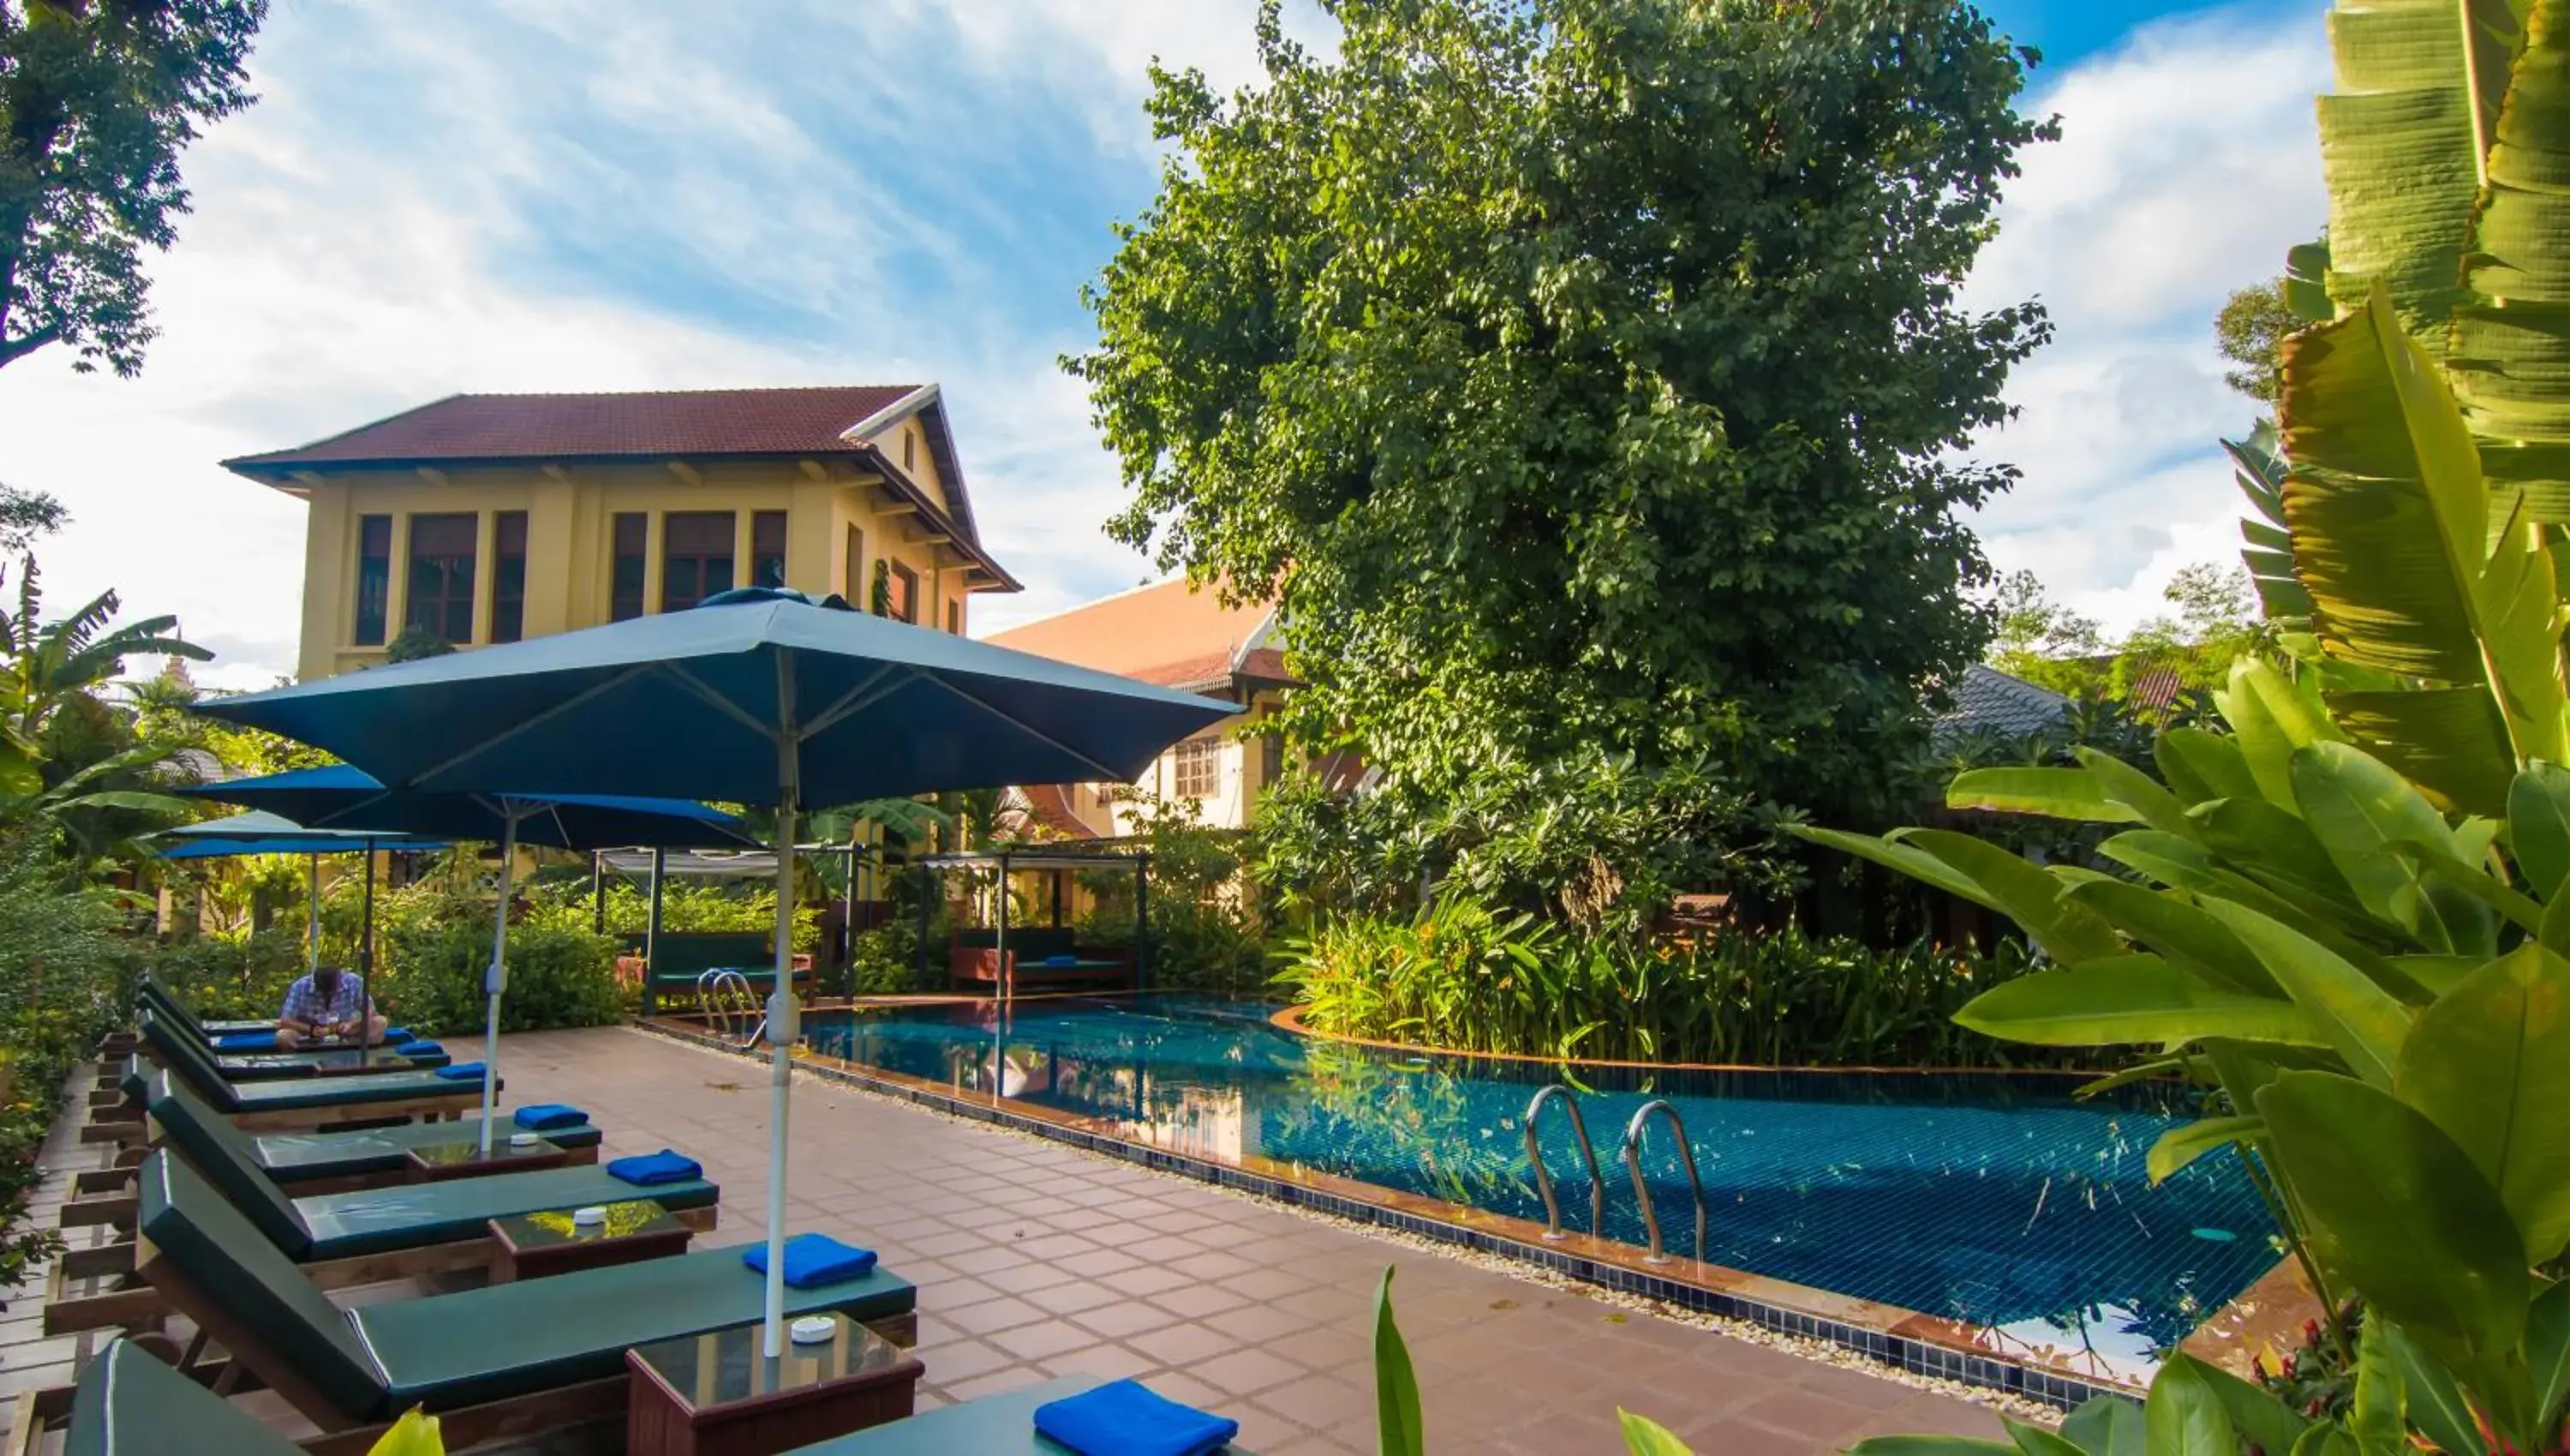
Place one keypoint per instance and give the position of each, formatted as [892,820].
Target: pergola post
[1142,921]
[1008,972]
[597,891]
[652,937]
[919,942]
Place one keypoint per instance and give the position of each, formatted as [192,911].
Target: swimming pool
[1992,1199]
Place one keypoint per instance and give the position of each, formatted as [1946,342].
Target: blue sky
[644,193]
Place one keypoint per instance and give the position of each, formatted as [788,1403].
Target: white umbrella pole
[313,922]
[496,979]
[784,1016]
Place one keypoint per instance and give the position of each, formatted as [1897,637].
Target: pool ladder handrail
[731,1003]
[1544,1176]
[1632,1154]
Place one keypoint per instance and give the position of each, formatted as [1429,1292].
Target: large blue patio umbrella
[754,696]
[344,797]
[260,833]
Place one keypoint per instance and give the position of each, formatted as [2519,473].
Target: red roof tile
[594,426]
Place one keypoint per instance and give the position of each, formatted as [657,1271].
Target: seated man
[327,1005]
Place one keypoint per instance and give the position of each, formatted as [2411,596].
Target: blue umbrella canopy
[755,696]
[342,798]
[705,703]
[258,832]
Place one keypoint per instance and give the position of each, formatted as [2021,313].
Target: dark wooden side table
[464,1158]
[536,1245]
[717,1395]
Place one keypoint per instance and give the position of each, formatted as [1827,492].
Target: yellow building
[485,518]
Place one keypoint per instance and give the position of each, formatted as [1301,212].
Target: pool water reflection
[1992,1199]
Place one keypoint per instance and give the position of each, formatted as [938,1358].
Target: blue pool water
[1993,1199]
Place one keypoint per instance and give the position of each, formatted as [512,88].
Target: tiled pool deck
[1036,1260]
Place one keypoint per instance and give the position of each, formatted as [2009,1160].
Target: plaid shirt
[305,1004]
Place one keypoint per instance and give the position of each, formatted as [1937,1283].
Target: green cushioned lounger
[152,994]
[481,1348]
[130,1405]
[299,1157]
[335,1226]
[307,1093]
[167,1041]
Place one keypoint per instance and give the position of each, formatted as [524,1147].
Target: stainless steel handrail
[731,1002]
[1642,1192]
[1543,1178]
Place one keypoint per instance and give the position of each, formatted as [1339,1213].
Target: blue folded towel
[545,1117]
[396,1036]
[649,1168]
[461,1072]
[1061,961]
[1123,1418]
[813,1260]
[246,1041]
[420,1050]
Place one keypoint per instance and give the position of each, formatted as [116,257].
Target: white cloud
[2188,165]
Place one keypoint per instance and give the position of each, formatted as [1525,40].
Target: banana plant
[2349,915]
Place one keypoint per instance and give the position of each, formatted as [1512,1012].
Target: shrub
[1196,944]
[1465,977]
[223,976]
[559,975]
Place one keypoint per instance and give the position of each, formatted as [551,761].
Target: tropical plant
[2352,917]
[1462,977]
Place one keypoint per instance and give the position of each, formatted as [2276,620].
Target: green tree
[97,98]
[2250,330]
[1582,372]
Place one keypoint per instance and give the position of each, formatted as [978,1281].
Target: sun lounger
[163,1041]
[291,1104]
[129,1404]
[340,1239]
[517,1359]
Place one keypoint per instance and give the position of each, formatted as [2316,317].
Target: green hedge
[428,974]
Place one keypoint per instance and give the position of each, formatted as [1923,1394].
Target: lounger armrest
[89,1213]
[91,1181]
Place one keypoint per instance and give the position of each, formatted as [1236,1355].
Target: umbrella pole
[366,956]
[497,979]
[784,1019]
[312,920]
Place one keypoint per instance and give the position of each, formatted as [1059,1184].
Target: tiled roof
[1168,634]
[1990,700]
[648,424]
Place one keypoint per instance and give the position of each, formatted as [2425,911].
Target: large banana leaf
[2396,151]
[2391,532]
[2132,1000]
[2268,552]
[2509,357]
[2489,1063]
[2401,1211]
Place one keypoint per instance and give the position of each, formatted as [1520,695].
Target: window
[909,449]
[767,549]
[954,617]
[440,589]
[696,556]
[633,550]
[1106,795]
[855,566]
[509,577]
[374,577]
[905,595]
[1197,768]
[1271,760]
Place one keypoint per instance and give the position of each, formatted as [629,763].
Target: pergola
[1058,863]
